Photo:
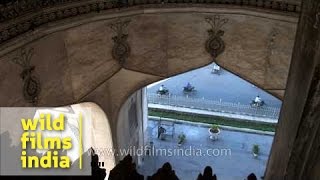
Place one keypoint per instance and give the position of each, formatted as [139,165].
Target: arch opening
[217,97]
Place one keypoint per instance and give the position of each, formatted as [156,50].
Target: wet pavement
[230,156]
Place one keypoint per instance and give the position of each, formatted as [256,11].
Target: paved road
[226,86]
[234,166]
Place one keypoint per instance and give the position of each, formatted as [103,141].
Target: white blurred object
[71,129]
[216,67]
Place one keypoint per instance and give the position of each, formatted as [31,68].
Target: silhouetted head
[94,160]
[166,167]
[252,177]
[127,159]
[92,152]
[207,171]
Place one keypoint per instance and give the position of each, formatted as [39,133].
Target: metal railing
[215,106]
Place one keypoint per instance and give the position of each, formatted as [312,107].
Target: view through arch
[182,110]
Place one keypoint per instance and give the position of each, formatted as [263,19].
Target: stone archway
[73,59]
[74,63]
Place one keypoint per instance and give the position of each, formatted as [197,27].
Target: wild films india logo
[45,141]
[34,140]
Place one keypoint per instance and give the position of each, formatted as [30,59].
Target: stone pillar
[130,127]
[295,152]
[144,108]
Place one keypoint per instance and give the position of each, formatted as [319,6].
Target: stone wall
[19,17]
[295,150]
[73,60]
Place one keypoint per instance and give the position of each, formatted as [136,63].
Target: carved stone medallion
[215,44]
[31,83]
[121,48]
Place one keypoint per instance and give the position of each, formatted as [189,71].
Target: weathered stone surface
[148,36]
[10,83]
[187,34]
[130,124]
[280,45]
[295,152]
[89,56]
[19,18]
[171,43]
[112,94]
[51,68]
[255,53]
[278,93]
[121,87]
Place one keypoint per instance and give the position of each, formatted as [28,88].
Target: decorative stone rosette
[121,48]
[31,84]
[215,44]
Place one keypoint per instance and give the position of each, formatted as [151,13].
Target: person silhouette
[126,169]
[252,177]
[207,174]
[165,172]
